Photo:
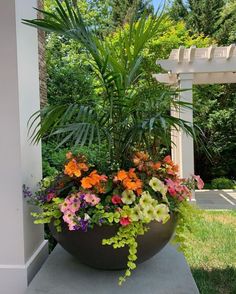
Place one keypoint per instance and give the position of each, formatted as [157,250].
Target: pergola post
[22,246]
[185,145]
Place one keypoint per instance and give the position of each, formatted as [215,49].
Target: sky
[156,3]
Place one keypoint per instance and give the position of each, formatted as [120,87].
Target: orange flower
[86,183]
[82,166]
[142,155]
[93,179]
[156,165]
[139,157]
[121,175]
[129,179]
[129,185]
[132,174]
[139,191]
[72,169]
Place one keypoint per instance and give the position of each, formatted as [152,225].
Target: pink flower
[125,221]
[200,183]
[92,199]
[68,217]
[75,206]
[116,199]
[72,226]
[172,191]
[64,206]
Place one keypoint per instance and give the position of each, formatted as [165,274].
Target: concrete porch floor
[165,273]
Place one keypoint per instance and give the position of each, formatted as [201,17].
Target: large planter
[88,248]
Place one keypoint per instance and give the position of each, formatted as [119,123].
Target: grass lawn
[212,252]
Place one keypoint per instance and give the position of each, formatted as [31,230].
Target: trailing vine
[186,214]
[50,212]
[127,236]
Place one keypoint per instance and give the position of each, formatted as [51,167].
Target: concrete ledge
[165,273]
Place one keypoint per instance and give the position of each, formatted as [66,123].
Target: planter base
[165,273]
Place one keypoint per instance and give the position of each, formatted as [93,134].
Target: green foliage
[127,236]
[53,158]
[215,18]
[201,16]
[214,115]
[226,32]
[50,212]
[186,214]
[222,183]
[69,78]
[177,10]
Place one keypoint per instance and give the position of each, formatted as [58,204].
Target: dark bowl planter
[88,248]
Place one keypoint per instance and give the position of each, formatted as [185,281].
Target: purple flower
[83,225]
[77,228]
[101,220]
[26,191]
[82,197]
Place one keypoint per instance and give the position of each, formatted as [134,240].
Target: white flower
[128,197]
[146,199]
[86,217]
[148,213]
[161,213]
[136,213]
[158,186]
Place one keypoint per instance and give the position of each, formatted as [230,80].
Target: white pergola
[188,67]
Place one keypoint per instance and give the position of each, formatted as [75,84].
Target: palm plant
[123,118]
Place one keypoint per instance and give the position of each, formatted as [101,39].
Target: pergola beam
[199,65]
[199,79]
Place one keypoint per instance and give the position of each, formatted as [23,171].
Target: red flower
[168,159]
[116,199]
[50,196]
[125,221]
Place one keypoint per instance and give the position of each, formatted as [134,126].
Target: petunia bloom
[125,221]
[128,197]
[116,199]
[92,199]
[200,183]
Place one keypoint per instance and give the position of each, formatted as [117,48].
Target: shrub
[222,183]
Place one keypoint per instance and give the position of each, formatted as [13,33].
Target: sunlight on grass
[212,252]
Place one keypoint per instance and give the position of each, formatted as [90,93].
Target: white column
[183,147]
[22,246]
[186,147]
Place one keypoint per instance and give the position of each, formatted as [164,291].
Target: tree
[122,11]
[201,16]
[215,115]
[226,32]
[178,11]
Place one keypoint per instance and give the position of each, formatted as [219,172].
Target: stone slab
[165,273]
